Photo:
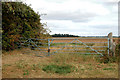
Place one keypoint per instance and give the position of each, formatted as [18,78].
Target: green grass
[26,72]
[90,44]
[60,69]
[21,64]
[108,68]
[7,65]
[36,66]
[57,44]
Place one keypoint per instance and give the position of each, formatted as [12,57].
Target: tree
[20,20]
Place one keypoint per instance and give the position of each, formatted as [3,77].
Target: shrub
[19,20]
[110,59]
[117,50]
[107,59]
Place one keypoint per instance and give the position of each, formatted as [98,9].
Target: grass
[7,65]
[80,44]
[26,72]
[21,64]
[55,66]
[108,68]
[36,66]
[62,44]
[73,46]
[90,44]
[60,69]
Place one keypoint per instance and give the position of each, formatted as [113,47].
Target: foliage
[108,69]
[19,20]
[26,72]
[117,50]
[108,59]
[58,69]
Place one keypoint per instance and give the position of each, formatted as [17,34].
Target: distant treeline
[64,35]
[69,35]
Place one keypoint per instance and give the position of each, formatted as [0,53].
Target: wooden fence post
[112,44]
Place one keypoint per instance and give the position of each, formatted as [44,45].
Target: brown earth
[24,64]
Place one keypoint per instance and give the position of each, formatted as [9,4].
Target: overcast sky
[78,17]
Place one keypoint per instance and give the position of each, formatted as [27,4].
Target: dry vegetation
[23,63]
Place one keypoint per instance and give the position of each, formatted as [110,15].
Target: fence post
[48,47]
[111,44]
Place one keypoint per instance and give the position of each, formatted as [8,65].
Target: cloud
[91,28]
[74,16]
[78,17]
[75,10]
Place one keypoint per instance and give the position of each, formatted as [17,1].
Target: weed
[107,59]
[76,43]
[98,64]
[21,64]
[56,44]
[58,69]
[108,68]
[7,65]
[89,64]
[90,68]
[110,59]
[82,69]
[90,44]
[26,72]
[36,66]
[111,64]
[117,50]
[84,58]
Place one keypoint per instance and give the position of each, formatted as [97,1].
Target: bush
[19,20]
[108,59]
[117,50]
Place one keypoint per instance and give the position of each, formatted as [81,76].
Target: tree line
[64,35]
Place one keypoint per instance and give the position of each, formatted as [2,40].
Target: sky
[78,17]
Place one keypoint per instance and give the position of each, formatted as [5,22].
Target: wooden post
[112,45]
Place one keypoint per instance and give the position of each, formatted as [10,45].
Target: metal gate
[97,46]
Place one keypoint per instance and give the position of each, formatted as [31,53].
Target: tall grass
[111,59]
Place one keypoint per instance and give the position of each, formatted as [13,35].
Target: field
[70,44]
[23,63]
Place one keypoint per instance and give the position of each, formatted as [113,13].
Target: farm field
[23,63]
[86,39]
[77,44]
